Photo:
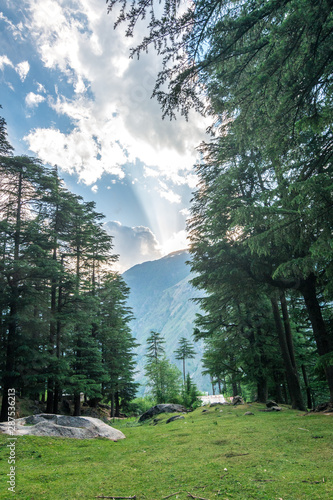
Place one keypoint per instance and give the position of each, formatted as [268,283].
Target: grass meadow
[218,454]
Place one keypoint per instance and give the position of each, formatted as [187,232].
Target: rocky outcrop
[162,408]
[62,426]
[175,417]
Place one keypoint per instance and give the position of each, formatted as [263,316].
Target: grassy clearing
[222,455]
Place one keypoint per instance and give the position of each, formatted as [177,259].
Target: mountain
[160,298]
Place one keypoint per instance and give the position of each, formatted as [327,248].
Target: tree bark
[292,376]
[287,329]
[322,337]
[262,391]
[77,405]
[307,387]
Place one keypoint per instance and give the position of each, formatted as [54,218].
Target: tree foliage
[64,319]
[262,215]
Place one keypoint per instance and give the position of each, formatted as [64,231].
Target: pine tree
[184,351]
[163,377]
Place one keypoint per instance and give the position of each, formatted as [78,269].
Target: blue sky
[72,97]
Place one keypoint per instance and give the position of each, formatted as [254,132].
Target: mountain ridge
[160,298]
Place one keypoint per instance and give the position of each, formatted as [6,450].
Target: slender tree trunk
[52,341]
[213,386]
[285,392]
[292,377]
[307,387]
[287,329]
[112,413]
[117,404]
[322,337]
[57,387]
[278,389]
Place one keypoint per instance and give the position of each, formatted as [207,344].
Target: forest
[261,222]
[260,228]
[64,319]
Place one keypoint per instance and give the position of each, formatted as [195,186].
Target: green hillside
[161,300]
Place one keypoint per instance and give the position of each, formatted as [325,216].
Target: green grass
[214,455]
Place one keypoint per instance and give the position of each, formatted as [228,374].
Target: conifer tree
[184,351]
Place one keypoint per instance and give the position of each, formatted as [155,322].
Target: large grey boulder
[162,408]
[237,400]
[63,426]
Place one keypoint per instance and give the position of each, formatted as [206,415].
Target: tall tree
[185,351]
[22,251]
[163,377]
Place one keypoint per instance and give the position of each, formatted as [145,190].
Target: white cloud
[33,100]
[185,211]
[167,193]
[133,244]
[22,69]
[16,30]
[40,88]
[4,61]
[114,120]
[94,188]
[178,241]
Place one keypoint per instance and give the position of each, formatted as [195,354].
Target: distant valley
[160,299]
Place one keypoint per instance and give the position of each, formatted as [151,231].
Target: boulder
[271,403]
[62,426]
[176,417]
[237,400]
[162,408]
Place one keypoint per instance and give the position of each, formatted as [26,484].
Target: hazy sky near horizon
[72,97]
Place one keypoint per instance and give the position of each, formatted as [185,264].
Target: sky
[72,97]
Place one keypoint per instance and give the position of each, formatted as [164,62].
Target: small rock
[176,417]
[249,413]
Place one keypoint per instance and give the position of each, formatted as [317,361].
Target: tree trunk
[56,397]
[285,392]
[234,386]
[50,395]
[117,404]
[292,377]
[262,391]
[112,413]
[307,387]
[77,405]
[323,340]
[278,388]
[213,386]
[287,329]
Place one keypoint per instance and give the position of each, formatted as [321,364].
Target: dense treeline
[64,320]
[261,226]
